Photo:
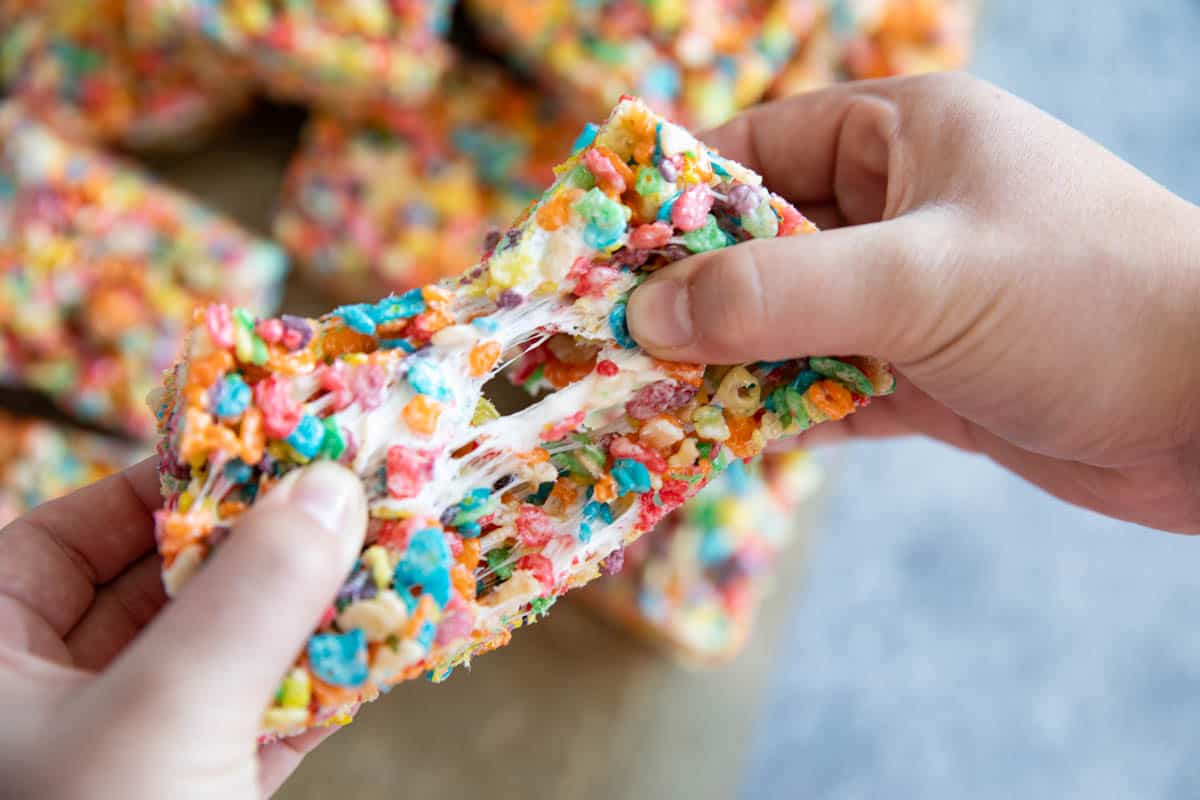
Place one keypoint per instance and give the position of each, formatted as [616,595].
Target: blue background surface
[963,634]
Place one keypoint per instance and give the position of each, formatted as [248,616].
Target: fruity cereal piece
[694,584]
[547,493]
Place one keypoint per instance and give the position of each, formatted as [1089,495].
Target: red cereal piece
[541,567]
[407,470]
[651,236]
[534,526]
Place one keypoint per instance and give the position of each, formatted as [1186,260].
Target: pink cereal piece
[407,470]
[605,171]
[553,432]
[292,339]
[622,447]
[690,211]
[541,567]
[281,414]
[219,322]
[270,330]
[651,236]
[368,382]
[593,282]
[458,620]
[534,526]
[607,368]
[333,380]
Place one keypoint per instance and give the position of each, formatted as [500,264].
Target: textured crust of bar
[861,39]
[410,199]
[698,63]
[693,586]
[100,267]
[41,461]
[73,65]
[352,58]
[480,521]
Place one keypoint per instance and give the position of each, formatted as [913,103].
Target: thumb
[858,290]
[240,621]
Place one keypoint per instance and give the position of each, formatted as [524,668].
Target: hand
[106,693]
[1039,297]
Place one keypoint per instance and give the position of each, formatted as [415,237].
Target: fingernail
[331,495]
[660,314]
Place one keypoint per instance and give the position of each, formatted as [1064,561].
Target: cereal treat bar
[369,209]
[41,460]
[695,583]
[347,56]
[858,39]
[100,268]
[698,62]
[74,66]
[479,521]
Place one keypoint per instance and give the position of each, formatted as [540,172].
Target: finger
[237,625]
[52,558]
[278,760]
[803,145]
[869,289]
[120,611]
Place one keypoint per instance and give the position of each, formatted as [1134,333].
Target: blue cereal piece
[395,307]
[306,439]
[358,318]
[620,327]
[426,564]
[585,137]
[631,476]
[427,379]
[234,399]
[339,659]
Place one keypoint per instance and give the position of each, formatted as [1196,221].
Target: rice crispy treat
[73,65]
[478,522]
[373,208]
[349,57]
[698,62]
[694,585]
[860,39]
[100,268]
[42,460]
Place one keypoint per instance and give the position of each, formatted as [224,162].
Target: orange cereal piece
[555,212]
[231,508]
[344,340]
[471,550]
[329,696]
[605,489]
[253,440]
[435,296]
[483,357]
[421,415]
[741,435]
[560,373]
[691,374]
[535,456]
[831,397]
[463,580]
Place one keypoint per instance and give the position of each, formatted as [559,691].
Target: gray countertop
[963,634]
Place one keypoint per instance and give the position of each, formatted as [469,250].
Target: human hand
[1039,297]
[105,693]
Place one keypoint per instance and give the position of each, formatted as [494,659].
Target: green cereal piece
[708,237]
[842,372]
[649,181]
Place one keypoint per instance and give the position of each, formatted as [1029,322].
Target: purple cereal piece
[615,560]
[509,299]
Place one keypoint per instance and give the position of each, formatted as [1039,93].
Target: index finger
[800,143]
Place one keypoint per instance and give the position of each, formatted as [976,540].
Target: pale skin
[1037,295]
